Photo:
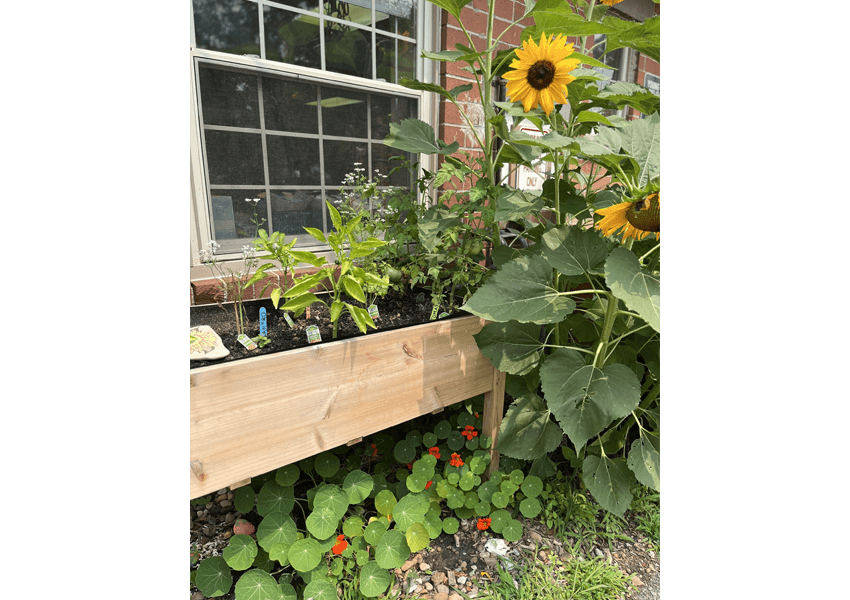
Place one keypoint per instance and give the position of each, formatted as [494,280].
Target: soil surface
[412,307]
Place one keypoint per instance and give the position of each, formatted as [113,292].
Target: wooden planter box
[251,416]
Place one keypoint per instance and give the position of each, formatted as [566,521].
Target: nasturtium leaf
[327,464]
[374,579]
[380,484]
[385,502]
[453,478]
[521,291]
[243,499]
[464,419]
[443,488]
[417,537]
[287,475]
[353,526]
[512,347]
[322,522]
[609,480]
[240,552]
[482,509]
[500,499]
[429,439]
[305,555]
[434,526]
[392,551]
[512,531]
[442,429]
[213,577]
[467,481]
[333,497]
[645,461]
[532,486]
[276,528]
[497,476]
[256,584]
[415,484]
[424,467]
[573,250]
[517,476]
[455,441]
[287,591]
[279,552]
[451,525]
[404,451]
[402,474]
[508,487]
[374,531]
[275,498]
[320,589]
[486,490]
[498,519]
[472,444]
[527,431]
[336,566]
[263,561]
[639,289]
[470,499]
[357,486]
[477,465]
[456,499]
[530,507]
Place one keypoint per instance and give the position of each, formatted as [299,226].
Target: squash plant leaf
[609,480]
[639,289]
[527,432]
[256,584]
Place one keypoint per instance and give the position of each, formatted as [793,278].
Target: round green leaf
[275,498]
[392,551]
[357,485]
[353,526]
[415,484]
[500,499]
[434,526]
[327,464]
[451,525]
[470,499]
[482,509]
[257,585]
[442,429]
[240,552]
[287,475]
[279,552]
[404,451]
[415,438]
[374,579]
[374,531]
[417,537]
[243,499]
[499,518]
[508,487]
[486,491]
[320,589]
[455,440]
[424,467]
[512,531]
[517,476]
[213,577]
[288,592]
[530,508]
[443,488]
[263,561]
[333,497]
[380,484]
[402,474]
[472,444]
[467,482]
[385,502]
[322,523]
[276,528]
[463,512]
[429,439]
[453,478]
[532,486]
[305,555]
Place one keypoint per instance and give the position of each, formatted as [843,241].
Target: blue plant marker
[262,321]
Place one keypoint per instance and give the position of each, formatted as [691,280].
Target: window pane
[293,161]
[344,113]
[386,110]
[340,158]
[348,50]
[395,58]
[292,38]
[381,155]
[396,16]
[234,158]
[229,98]
[312,5]
[356,11]
[233,217]
[290,105]
[227,26]
[292,211]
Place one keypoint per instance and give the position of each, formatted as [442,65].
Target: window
[288,97]
[617,60]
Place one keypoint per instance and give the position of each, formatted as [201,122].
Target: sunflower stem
[607,328]
[650,252]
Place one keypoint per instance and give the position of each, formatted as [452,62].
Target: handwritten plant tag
[289,320]
[263,325]
[313,334]
[434,312]
[246,341]
[373,312]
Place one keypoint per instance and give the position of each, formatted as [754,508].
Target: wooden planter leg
[494,408]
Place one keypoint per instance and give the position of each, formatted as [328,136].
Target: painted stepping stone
[205,344]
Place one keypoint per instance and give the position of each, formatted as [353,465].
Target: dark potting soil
[412,307]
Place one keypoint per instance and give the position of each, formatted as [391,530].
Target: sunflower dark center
[645,214]
[541,74]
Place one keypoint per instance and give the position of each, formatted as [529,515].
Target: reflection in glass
[231,26]
[356,11]
[348,50]
[234,158]
[344,113]
[311,5]
[387,109]
[381,155]
[294,210]
[340,158]
[395,58]
[291,37]
[233,216]
[396,16]
[229,98]
[290,105]
[293,161]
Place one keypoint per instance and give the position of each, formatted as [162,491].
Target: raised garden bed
[257,414]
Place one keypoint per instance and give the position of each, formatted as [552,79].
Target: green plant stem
[607,327]
[650,252]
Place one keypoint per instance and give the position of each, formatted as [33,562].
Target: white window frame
[427,34]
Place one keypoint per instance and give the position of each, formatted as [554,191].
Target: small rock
[230,495]
[490,560]
[428,586]
[455,596]
[419,589]
[225,504]
[452,580]
[438,578]
[535,536]
[543,555]
[636,580]
[221,497]
[424,566]
[462,580]
[598,552]
[229,518]
[228,534]
[208,530]
[209,505]
[463,564]
[441,596]
[197,596]
[408,565]
[443,589]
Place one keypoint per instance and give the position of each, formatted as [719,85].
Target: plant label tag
[443,315]
[263,326]
[246,341]
[373,312]
[434,312]
[289,320]
[313,334]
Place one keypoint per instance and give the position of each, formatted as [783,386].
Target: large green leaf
[645,461]
[644,37]
[639,289]
[512,347]
[417,537]
[433,223]
[320,589]
[527,432]
[609,480]
[276,528]
[453,7]
[322,522]
[392,551]
[583,398]
[240,552]
[256,584]
[213,577]
[521,291]
[512,205]
[333,497]
[374,579]
[573,250]
[275,498]
[557,17]
[642,141]
[413,135]
[305,555]
[357,485]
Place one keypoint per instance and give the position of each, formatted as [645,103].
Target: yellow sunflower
[611,2]
[541,73]
[637,219]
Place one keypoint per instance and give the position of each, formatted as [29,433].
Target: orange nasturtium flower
[341,544]
[637,219]
[611,2]
[541,73]
[429,484]
[483,523]
[456,460]
[375,450]
[469,432]
[435,451]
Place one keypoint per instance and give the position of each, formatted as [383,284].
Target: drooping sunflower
[541,73]
[637,219]
[611,2]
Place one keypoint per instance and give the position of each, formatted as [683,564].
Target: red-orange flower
[456,460]
[483,523]
[375,448]
[341,544]
[429,484]
[435,451]
[409,466]
[469,432]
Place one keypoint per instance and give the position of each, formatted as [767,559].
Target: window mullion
[266,178]
[322,159]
